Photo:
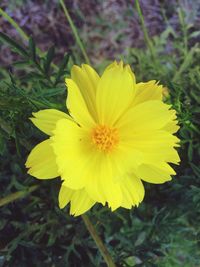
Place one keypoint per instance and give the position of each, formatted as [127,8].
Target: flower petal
[150,115]
[171,127]
[80,202]
[155,146]
[102,187]
[132,191]
[87,80]
[73,153]
[128,68]
[115,93]
[77,105]
[156,174]
[46,119]
[154,140]
[147,91]
[65,196]
[42,161]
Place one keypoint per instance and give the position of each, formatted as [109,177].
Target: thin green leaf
[49,58]
[21,63]
[32,48]
[195,169]
[18,48]
[61,68]
[53,92]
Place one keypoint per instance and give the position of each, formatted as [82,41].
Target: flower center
[105,138]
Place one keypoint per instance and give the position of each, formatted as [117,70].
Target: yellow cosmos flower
[119,133]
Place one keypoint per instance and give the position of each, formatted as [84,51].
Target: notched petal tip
[74,69]
[113,208]
[84,66]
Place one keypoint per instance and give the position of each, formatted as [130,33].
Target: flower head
[119,133]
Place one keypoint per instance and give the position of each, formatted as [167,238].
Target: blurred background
[164,230]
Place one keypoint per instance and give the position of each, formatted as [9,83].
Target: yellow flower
[119,133]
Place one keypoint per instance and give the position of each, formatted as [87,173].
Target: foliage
[163,231]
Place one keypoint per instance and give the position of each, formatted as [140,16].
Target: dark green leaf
[20,63]
[190,151]
[32,48]
[14,44]
[52,92]
[195,169]
[61,68]
[33,75]
[48,59]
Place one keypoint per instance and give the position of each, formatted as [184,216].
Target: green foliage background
[164,231]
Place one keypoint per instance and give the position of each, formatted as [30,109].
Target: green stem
[75,32]
[104,252]
[14,24]
[144,29]
[14,196]
[184,29]
[187,61]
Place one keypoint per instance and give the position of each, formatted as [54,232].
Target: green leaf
[33,75]
[18,48]
[21,63]
[32,48]
[49,58]
[53,91]
[12,79]
[195,34]
[195,169]
[2,146]
[190,151]
[61,68]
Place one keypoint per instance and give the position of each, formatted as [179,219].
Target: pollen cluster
[105,138]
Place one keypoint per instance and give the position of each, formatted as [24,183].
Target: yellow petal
[115,93]
[46,119]
[86,78]
[73,152]
[132,191]
[128,68]
[155,146]
[161,155]
[80,202]
[102,186]
[111,65]
[156,174]
[77,105]
[147,91]
[171,127]
[42,161]
[150,115]
[149,140]
[65,196]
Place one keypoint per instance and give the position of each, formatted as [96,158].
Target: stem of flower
[144,29]
[75,32]
[17,195]
[104,252]
[14,24]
